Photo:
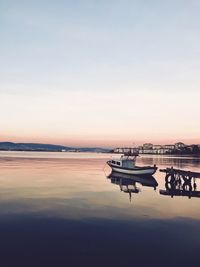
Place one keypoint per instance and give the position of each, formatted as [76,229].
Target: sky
[100,73]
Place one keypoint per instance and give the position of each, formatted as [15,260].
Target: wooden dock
[180,183]
[173,174]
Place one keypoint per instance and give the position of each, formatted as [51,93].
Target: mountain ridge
[11,146]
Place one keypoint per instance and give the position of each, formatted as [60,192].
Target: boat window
[113,161]
[118,163]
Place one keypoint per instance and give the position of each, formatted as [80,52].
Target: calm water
[60,209]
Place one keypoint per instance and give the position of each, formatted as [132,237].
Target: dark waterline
[65,212]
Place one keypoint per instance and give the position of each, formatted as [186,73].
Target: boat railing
[127,151]
[129,157]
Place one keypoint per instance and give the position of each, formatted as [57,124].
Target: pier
[180,183]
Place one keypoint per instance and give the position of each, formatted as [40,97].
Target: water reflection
[58,209]
[184,189]
[179,162]
[129,183]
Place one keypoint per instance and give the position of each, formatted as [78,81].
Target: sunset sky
[100,73]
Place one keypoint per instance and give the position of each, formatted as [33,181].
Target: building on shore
[178,148]
[148,148]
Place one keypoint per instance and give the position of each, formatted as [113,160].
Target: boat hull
[148,170]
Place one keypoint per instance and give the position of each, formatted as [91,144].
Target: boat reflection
[129,183]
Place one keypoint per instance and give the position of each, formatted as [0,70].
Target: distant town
[148,148]
[176,149]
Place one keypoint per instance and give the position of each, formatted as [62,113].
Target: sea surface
[62,209]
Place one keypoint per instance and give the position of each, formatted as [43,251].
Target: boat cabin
[124,161]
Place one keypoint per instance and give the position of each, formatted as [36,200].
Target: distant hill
[10,146]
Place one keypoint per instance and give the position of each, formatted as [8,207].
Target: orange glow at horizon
[85,142]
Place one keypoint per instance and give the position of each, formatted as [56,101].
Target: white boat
[126,164]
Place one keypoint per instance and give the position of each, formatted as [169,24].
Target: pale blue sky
[95,72]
